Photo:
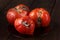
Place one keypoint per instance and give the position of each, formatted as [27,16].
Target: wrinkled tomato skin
[44,16]
[11,15]
[21,28]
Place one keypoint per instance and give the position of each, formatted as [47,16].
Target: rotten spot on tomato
[15,8]
[23,8]
[38,20]
[39,13]
[25,23]
[19,11]
[39,17]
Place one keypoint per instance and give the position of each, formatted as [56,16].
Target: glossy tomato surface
[40,16]
[24,25]
[11,15]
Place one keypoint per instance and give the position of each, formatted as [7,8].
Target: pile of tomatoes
[25,21]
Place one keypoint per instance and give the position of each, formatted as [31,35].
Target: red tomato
[40,16]
[11,15]
[22,9]
[19,11]
[24,25]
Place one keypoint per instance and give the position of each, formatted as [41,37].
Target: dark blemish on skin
[39,20]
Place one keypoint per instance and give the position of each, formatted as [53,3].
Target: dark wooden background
[53,6]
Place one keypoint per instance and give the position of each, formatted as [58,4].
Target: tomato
[19,11]
[40,16]
[11,15]
[24,25]
[22,9]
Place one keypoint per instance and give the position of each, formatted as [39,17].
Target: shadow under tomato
[39,32]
